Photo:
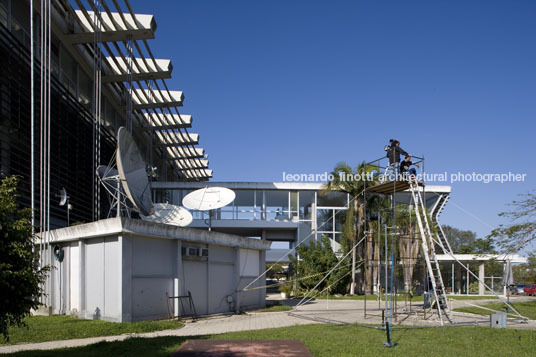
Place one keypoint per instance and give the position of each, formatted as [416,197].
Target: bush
[20,276]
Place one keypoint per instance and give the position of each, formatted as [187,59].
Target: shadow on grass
[158,346]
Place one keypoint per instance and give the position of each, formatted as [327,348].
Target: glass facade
[322,213]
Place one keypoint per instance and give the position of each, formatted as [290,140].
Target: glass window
[3,12]
[324,220]
[243,204]
[85,90]
[332,199]
[307,199]
[277,205]
[259,213]
[68,71]
[293,204]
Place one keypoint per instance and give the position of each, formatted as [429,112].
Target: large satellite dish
[169,214]
[208,198]
[133,173]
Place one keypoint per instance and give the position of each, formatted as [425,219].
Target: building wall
[102,288]
[129,277]
[152,277]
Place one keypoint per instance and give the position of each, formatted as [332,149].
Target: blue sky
[297,86]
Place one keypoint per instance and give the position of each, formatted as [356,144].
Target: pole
[32,120]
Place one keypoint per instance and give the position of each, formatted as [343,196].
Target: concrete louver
[179,153]
[196,173]
[152,99]
[192,163]
[141,69]
[165,121]
[142,28]
[172,138]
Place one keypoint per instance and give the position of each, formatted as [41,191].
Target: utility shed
[120,269]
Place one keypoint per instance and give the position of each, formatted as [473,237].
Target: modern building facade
[292,212]
[94,71]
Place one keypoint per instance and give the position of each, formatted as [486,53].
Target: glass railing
[250,214]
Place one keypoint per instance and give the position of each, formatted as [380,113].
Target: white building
[123,269]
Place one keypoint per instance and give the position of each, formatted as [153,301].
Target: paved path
[209,326]
[346,311]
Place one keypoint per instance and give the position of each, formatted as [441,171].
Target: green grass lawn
[60,327]
[526,308]
[337,340]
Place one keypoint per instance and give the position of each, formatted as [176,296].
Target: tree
[315,260]
[526,273]
[352,182]
[275,271]
[466,242]
[522,231]
[20,277]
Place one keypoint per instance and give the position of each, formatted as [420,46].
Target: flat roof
[514,258]
[304,186]
[138,227]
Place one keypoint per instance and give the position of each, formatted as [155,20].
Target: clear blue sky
[297,86]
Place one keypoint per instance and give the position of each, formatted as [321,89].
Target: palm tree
[352,182]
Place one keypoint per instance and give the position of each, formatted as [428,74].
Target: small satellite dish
[169,214]
[208,198]
[133,173]
[63,196]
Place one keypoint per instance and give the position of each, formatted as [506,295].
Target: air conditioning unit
[192,252]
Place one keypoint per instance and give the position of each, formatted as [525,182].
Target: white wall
[102,278]
[74,286]
[153,263]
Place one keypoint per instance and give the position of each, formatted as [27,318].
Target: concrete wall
[152,277]
[101,279]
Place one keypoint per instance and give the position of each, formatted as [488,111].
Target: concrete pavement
[318,311]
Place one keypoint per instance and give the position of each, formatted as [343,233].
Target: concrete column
[82,278]
[458,279]
[126,278]
[237,279]
[481,276]
[504,273]
[177,281]
[262,280]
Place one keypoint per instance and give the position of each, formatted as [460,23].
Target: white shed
[121,269]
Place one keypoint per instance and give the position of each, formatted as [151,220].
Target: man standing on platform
[393,153]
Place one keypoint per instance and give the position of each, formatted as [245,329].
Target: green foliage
[466,242]
[523,229]
[286,288]
[525,273]
[20,277]
[348,229]
[275,271]
[314,261]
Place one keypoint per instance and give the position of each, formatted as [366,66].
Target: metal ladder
[440,297]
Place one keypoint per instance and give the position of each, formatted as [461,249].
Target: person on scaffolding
[406,171]
[393,153]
